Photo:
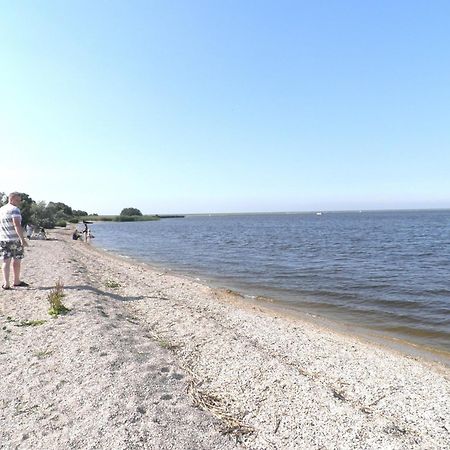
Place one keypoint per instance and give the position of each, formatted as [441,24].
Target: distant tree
[79,213]
[130,212]
[61,208]
[42,216]
[26,208]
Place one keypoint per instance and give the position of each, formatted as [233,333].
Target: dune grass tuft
[55,299]
[112,284]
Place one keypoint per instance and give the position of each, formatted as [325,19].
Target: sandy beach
[148,360]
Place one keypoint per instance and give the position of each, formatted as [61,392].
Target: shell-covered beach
[148,360]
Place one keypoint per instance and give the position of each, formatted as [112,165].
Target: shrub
[61,223]
[130,212]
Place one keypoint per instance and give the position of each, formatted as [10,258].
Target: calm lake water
[383,271]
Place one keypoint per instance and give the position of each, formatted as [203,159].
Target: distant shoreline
[323,211]
[313,211]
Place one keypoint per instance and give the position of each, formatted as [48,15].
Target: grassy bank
[117,218]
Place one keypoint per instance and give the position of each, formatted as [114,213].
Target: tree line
[51,214]
[46,215]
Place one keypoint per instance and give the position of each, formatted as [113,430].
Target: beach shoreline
[279,306]
[246,376]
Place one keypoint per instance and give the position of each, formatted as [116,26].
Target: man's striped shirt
[7,230]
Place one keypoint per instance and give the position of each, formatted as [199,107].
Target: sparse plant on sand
[112,284]
[30,323]
[55,299]
[43,354]
[25,323]
[163,343]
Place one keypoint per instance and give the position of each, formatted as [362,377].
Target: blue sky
[226,106]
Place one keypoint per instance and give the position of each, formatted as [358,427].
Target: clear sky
[198,106]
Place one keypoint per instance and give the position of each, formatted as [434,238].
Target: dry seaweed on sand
[218,407]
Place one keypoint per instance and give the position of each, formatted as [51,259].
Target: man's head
[15,198]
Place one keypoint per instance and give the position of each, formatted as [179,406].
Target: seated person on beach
[76,235]
[42,234]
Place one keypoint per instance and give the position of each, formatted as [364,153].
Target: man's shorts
[11,249]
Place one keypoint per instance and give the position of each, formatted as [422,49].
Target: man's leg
[6,269]
[16,269]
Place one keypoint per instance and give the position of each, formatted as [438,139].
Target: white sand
[129,367]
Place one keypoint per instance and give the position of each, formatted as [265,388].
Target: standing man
[12,241]
[85,231]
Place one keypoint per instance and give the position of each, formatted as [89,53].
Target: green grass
[43,354]
[163,343]
[134,218]
[25,323]
[112,284]
[117,218]
[30,323]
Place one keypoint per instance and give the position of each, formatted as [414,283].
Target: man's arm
[19,230]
